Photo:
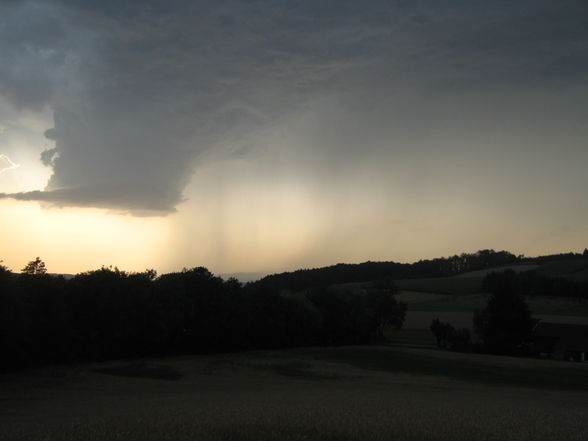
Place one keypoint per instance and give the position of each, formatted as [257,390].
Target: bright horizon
[144,239]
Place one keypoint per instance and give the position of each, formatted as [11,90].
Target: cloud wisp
[141,93]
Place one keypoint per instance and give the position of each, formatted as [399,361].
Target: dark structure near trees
[561,341]
[450,338]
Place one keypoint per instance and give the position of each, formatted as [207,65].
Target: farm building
[561,341]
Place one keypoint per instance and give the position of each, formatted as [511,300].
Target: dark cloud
[142,90]
[47,156]
[32,52]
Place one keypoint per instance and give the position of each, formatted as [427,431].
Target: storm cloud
[142,93]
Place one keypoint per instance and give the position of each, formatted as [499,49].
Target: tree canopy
[36,266]
[506,321]
[109,313]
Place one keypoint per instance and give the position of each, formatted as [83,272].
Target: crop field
[346,393]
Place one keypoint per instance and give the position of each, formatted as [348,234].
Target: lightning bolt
[6,164]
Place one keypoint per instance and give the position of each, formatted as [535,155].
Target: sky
[269,135]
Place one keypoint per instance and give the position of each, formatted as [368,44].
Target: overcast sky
[268,135]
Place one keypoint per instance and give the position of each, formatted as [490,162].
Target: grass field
[579,276]
[347,393]
[421,301]
[485,272]
[463,319]
[442,285]
[559,306]
[471,282]
[577,269]
[443,302]
[461,294]
[566,268]
[423,319]
[411,336]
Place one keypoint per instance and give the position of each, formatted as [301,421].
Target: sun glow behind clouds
[75,240]
[21,142]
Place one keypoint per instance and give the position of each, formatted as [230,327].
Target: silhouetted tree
[505,322]
[36,266]
[450,338]
[275,321]
[352,316]
[441,331]
[112,312]
[387,311]
[460,339]
[47,325]
[13,323]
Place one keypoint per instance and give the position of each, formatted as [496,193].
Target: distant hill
[473,265]
[243,276]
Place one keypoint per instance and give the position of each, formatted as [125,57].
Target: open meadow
[458,309]
[454,299]
[346,393]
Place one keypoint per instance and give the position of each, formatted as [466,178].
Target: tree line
[440,267]
[110,314]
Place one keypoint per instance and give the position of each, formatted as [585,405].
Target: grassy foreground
[348,393]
